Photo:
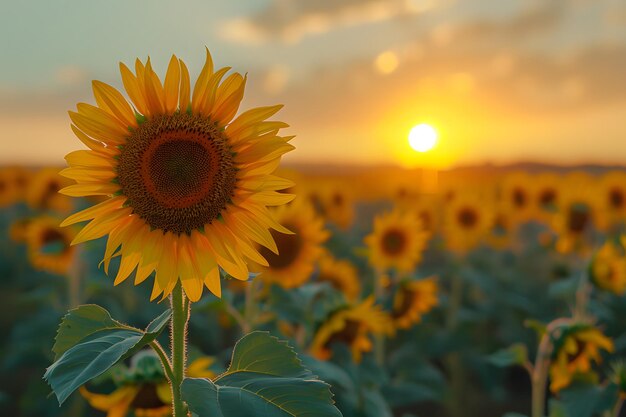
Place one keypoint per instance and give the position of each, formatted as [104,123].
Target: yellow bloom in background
[43,191]
[503,228]
[8,190]
[19,228]
[341,274]
[612,196]
[353,327]
[340,207]
[516,196]
[397,241]
[547,196]
[577,215]
[152,398]
[608,269]
[188,183]
[574,353]
[297,251]
[468,219]
[49,246]
[412,300]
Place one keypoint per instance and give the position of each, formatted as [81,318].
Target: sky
[501,81]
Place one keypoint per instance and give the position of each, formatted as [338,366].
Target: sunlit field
[272,208]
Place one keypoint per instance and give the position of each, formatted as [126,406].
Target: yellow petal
[109,99]
[226,110]
[86,189]
[184,87]
[131,85]
[252,117]
[94,145]
[82,174]
[213,283]
[171,85]
[98,130]
[89,159]
[199,90]
[100,226]
[208,100]
[99,209]
[154,92]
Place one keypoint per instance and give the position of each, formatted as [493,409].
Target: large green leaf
[79,323]
[86,351]
[88,359]
[516,354]
[586,400]
[265,379]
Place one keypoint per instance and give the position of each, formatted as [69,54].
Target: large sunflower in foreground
[188,184]
[297,251]
[397,241]
[574,353]
[352,326]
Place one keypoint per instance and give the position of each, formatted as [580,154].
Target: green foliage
[85,350]
[588,400]
[516,354]
[265,379]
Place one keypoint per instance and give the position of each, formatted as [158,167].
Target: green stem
[454,362]
[540,376]
[618,407]
[180,317]
[250,307]
[379,339]
[165,362]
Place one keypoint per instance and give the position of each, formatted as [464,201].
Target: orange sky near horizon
[517,81]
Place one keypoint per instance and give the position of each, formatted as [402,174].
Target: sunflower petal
[110,100]
[172,85]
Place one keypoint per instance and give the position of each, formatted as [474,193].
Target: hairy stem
[180,317]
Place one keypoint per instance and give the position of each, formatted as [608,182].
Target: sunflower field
[488,294]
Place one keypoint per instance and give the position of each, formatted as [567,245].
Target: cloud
[291,20]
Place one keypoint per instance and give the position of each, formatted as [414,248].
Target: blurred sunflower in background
[49,245]
[503,228]
[546,197]
[608,268]
[298,250]
[397,241]
[142,388]
[339,206]
[43,191]
[188,184]
[612,196]
[575,219]
[574,351]
[352,326]
[341,274]
[516,196]
[9,192]
[467,220]
[412,300]
[18,229]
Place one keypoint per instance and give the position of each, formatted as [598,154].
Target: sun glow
[423,138]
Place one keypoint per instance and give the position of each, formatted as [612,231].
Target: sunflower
[612,195]
[9,193]
[339,204]
[413,299]
[575,350]
[49,246]
[547,196]
[468,218]
[43,191]
[341,274]
[397,241]
[18,230]
[297,251]
[608,269]
[516,195]
[577,215]
[351,326]
[145,391]
[188,184]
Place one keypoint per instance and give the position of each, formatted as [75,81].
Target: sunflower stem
[540,376]
[180,317]
[165,361]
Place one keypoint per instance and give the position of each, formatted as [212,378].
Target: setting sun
[422,137]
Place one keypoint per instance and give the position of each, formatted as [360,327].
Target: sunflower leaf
[89,359]
[79,323]
[89,342]
[266,378]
